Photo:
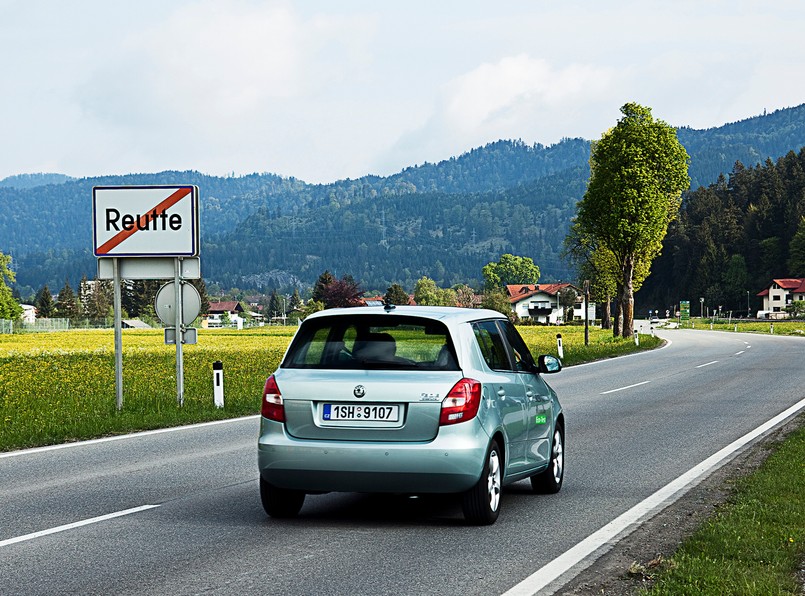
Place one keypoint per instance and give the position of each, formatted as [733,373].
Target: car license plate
[367,412]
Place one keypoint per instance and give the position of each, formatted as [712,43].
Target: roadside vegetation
[57,387]
[777,327]
[755,543]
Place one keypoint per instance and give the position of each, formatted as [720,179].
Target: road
[634,424]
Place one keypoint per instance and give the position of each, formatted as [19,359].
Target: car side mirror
[549,364]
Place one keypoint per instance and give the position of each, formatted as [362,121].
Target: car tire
[549,481]
[280,502]
[481,504]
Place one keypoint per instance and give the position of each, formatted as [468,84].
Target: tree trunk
[618,319]
[606,321]
[627,298]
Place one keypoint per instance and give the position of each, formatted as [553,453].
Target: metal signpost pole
[145,232]
[179,333]
[586,312]
[118,335]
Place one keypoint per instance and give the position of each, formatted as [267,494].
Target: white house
[28,313]
[540,302]
[781,293]
[233,310]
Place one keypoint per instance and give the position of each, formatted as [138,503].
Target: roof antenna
[388,306]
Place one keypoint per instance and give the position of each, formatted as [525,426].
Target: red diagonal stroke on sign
[160,209]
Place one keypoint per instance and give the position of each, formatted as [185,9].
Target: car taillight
[272,401]
[462,403]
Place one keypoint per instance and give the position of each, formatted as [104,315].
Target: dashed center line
[707,364]
[78,524]
[622,388]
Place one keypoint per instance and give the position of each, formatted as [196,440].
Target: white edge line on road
[144,433]
[622,388]
[739,353]
[620,527]
[667,343]
[86,522]
[707,364]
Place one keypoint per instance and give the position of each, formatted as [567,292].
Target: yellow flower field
[61,386]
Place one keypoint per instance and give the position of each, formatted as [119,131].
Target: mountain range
[443,220]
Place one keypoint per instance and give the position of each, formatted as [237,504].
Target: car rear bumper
[452,462]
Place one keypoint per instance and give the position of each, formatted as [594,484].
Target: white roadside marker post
[218,383]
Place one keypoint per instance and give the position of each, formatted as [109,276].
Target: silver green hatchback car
[412,400]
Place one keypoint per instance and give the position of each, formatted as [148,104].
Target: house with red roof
[540,302]
[779,294]
[233,310]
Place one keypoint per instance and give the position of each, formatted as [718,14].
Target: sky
[326,90]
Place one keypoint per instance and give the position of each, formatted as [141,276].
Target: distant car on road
[409,400]
[654,320]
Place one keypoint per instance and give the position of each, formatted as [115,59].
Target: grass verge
[778,327]
[755,542]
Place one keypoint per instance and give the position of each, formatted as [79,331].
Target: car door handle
[502,392]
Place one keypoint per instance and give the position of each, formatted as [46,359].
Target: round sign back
[165,303]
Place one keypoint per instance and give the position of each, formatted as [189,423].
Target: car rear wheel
[280,502]
[481,504]
[549,481]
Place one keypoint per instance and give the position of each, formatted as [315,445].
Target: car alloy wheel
[549,481]
[481,504]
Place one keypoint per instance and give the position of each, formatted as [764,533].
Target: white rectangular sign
[150,268]
[143,221]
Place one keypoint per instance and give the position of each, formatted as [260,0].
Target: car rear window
[384,342]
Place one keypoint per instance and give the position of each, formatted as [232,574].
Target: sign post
[684,310]
[177,304]
[147,232]
[118,337]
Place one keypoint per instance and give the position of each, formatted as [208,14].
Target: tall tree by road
[9,309]
[638,170]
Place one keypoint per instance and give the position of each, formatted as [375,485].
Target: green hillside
[445,220]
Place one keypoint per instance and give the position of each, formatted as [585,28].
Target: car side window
[492,345]
[523,360]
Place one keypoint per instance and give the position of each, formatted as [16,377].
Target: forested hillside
[733,237]
[445,220]
[448,237]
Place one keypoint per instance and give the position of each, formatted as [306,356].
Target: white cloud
[500,94]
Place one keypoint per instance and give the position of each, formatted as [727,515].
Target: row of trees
[735,236]
[330,292]
[94,300]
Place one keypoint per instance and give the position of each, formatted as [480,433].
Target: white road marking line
[622,388]
[707,364]
[589,549]
[145,433]
[86,522]
[739,353]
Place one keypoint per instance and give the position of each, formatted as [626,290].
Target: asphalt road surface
[178,512]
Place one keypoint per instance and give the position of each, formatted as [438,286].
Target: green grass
[781,327]
[57,387]
[755,543]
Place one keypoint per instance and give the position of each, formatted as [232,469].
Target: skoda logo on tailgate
[359,391]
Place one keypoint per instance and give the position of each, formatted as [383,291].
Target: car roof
[446,314]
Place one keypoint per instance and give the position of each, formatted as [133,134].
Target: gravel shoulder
[630,565]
